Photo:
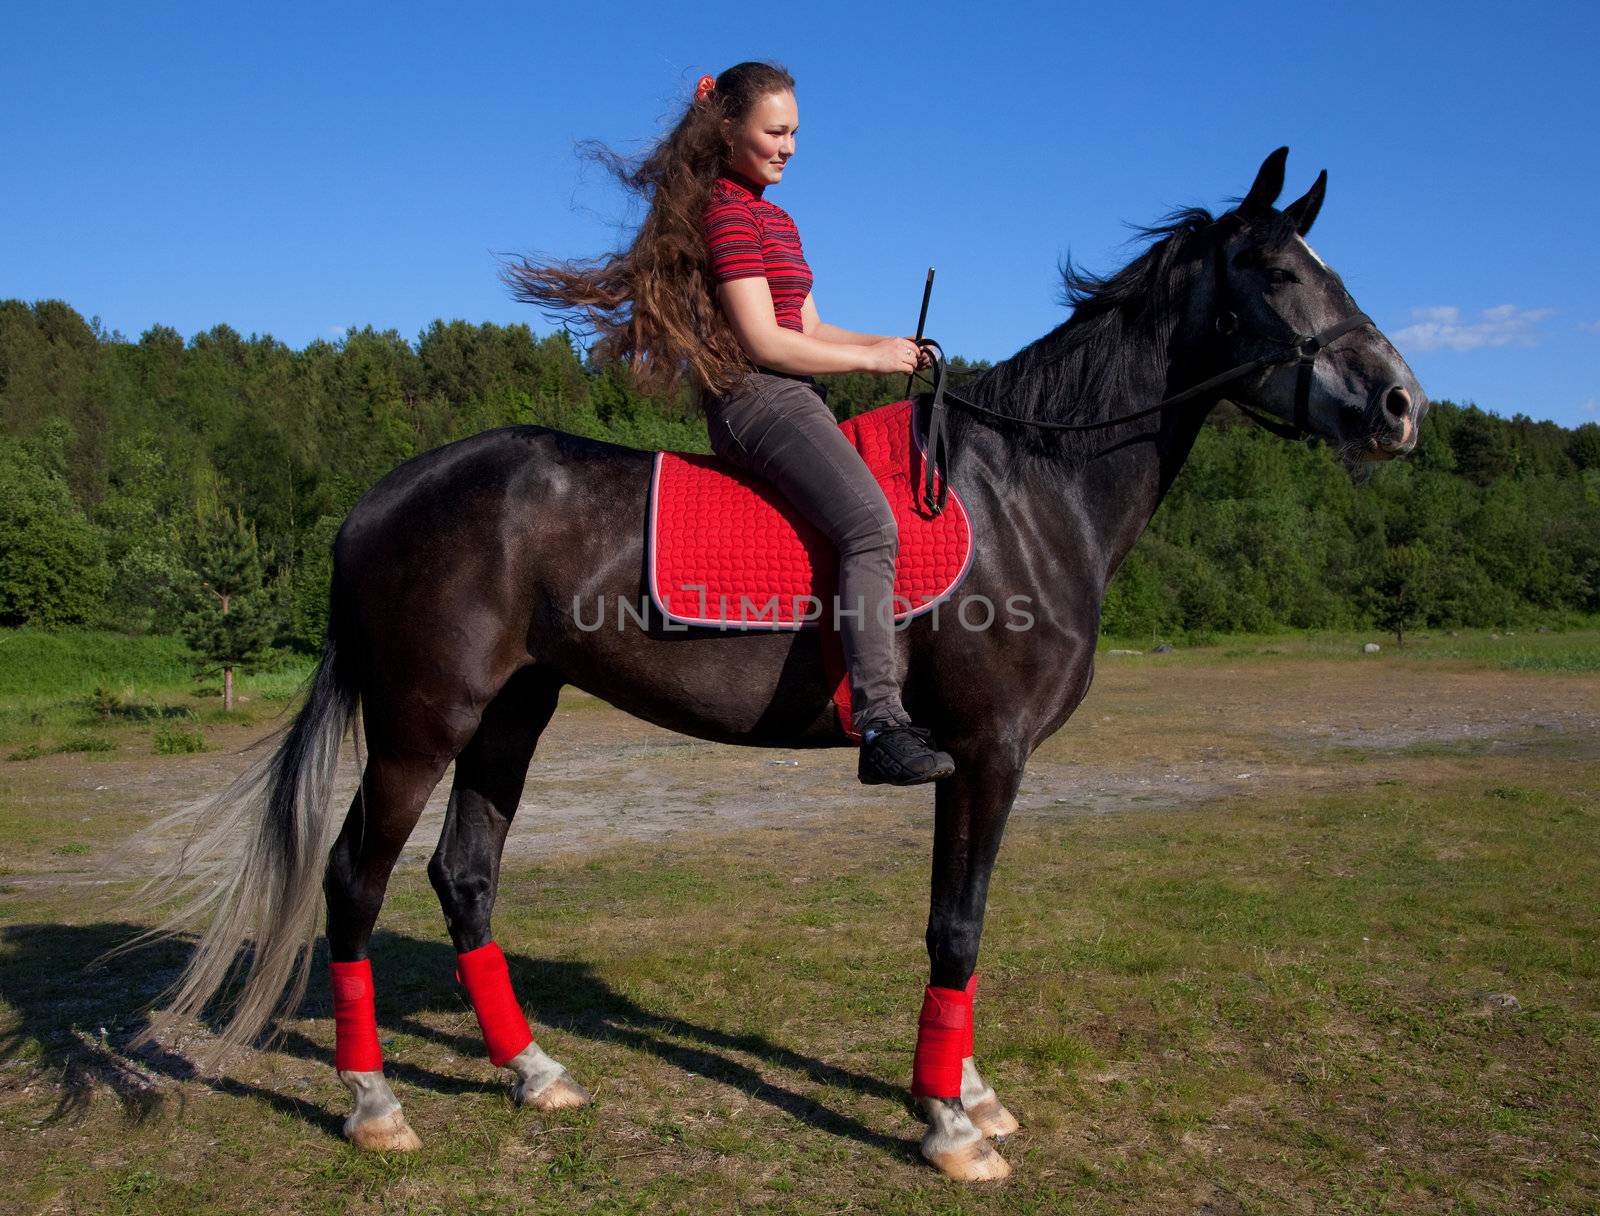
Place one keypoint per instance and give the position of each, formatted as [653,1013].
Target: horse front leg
[961,1109]
[983,1105]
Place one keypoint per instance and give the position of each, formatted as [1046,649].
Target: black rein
[1301,348]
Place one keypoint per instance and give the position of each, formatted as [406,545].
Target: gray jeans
[778,429]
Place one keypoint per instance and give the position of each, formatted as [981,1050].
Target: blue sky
[294,169]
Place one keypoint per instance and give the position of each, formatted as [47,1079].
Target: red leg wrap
[355,1023]
[972,991]
[943,1032]
[488,983]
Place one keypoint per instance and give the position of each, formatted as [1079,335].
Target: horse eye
[1277,274]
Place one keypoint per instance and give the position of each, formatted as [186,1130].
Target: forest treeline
[119,458]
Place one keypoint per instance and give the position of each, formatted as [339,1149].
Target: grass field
[1278,927]
[92,691]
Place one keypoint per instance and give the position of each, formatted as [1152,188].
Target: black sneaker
[901,755]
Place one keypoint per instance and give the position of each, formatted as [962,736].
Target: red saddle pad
[725,549]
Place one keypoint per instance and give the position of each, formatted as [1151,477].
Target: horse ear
[1268,184]
[1303,211]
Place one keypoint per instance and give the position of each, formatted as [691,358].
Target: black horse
[457,577]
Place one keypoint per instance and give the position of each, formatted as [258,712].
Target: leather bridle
[1302,349]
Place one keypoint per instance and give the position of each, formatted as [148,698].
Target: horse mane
[1084,369]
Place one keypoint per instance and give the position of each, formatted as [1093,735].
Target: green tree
[53,568]
[1482,446]
[308,610]
[1583,449]
[1135,605]
[148,575]
[135,437]
[233,619]
[1403,592]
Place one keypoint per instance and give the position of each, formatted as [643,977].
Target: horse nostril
[1397,403]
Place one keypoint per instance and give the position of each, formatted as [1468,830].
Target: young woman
[716,287]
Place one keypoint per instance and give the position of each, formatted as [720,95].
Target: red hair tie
[703,87]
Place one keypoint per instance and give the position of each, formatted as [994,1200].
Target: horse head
[1272,289]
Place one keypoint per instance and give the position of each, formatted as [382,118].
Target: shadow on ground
[76,1013]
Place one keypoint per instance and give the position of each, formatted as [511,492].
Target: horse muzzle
[1398,415]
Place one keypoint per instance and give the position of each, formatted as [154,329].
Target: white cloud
[1445,329]
[1589,327]
[1441,316]
[1592,406]
[338,331]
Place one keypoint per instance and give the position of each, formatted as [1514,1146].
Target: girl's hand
[894,355]
[924,354]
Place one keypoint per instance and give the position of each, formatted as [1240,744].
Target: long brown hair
[652,305]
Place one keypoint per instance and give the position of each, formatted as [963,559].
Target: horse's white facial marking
[1306,246]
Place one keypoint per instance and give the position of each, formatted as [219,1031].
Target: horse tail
[251,868]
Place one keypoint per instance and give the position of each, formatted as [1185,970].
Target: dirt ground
[1148,735]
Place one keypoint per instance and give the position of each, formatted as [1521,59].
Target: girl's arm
[747,303]
[817,328]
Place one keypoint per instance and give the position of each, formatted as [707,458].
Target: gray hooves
[955,1147]
[563,1093]
[386,1134]
[543,1083]
[993,1119]
[974,1162]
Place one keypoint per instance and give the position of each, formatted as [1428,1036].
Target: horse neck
[1100,489]
[1121,489]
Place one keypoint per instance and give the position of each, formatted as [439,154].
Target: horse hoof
[975,1162]
[386,1134]
[993,1119]
[561,1094]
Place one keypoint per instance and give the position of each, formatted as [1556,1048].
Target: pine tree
[53,569]
[1404,590]
[232,622]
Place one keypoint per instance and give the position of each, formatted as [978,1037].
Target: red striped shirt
[748,236]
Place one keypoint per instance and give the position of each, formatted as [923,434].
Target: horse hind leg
[394,789]
[465,871]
